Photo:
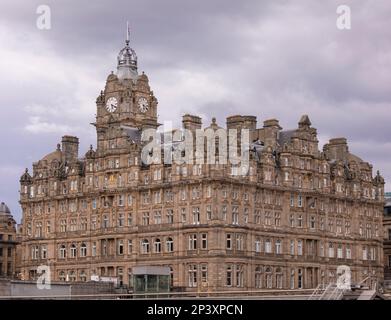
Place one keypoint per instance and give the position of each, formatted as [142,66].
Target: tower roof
[127,60]
[305,121]
[4,210]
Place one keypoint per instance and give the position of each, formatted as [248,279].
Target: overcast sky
[272,59]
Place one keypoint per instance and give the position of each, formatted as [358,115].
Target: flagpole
[127,32]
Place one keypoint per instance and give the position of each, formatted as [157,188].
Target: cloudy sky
[272,59]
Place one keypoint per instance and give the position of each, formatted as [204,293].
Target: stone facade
[297,214]
[7,243]
[387,239]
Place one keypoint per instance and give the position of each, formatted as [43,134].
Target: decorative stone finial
[304,121]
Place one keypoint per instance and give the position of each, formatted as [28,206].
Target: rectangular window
[170,216]
[339,252]
[235,215]
[196,215]
[277,219]
[120,247]
[258,245]
[268,246]
[239,242]
[183,215]
[224,213]
[348,253]
[204,241]
[364,253]
[93,253]
[300,247]
[300,201]
[44,252]
[209,212]
[300,221]
[121,200]
[229,276]
[121,220]
[292,247]
[157,217]
[146,218]
[229,241]
[193,242]
[193,275]
[239,275]
[292,201]
[331,250]
[291,220]
[204,273]
[130,246]
[312,222]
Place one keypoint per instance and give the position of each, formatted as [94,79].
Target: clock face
[111,104]
[143,105]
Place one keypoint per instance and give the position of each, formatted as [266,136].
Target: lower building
[7,243]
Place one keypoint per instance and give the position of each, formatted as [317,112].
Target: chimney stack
[70,148]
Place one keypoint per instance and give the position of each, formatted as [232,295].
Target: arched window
[73,251]
[268,246]
[83,250]
[292,279]
[257,245]
[269,277]
[72,276]
[63,252]
[62,276]
[299,247]
[158,246]
[278,246]
[169,245]
[145,246]
[279,278]
[258,277]
[83,276]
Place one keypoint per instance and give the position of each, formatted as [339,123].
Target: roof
[353,157]
[55,155]
[285,136]
[4,210]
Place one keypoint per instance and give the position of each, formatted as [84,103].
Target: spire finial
[127,33]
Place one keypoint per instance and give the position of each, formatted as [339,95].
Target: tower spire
[127,33]
[127,60]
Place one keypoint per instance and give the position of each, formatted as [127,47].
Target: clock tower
[127,100]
